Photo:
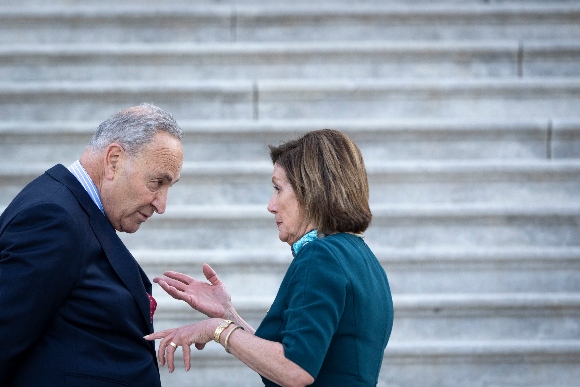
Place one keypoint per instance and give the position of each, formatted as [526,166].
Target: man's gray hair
[134,128]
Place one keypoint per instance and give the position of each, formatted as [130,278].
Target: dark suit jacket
[73,301]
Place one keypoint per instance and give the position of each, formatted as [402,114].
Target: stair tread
[287,47]
[391,167]
[385,254]
[368,83]
[298,9]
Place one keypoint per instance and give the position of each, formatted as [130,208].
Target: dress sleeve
[38,268]
[316,299]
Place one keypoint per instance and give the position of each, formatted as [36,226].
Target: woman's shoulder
[331,248]
[342,241]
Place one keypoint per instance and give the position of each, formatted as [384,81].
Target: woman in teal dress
[332,317]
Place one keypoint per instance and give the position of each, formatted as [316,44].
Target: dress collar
[308,237]
[313,235]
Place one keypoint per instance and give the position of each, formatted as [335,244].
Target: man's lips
[278,224]
[144,216]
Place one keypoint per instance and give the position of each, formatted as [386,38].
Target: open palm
[211,299]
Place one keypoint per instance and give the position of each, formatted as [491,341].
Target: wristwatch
[220,328]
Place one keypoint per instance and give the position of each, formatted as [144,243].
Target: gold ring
[173,345]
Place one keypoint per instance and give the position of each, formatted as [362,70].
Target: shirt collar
[83,177]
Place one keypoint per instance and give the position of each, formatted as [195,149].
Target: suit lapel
[124,265]
[118,255]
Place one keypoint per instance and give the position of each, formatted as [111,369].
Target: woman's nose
[271,205]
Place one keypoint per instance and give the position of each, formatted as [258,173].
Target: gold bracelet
[220,328]
[228,336]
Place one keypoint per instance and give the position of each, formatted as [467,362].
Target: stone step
[486,270]
[549,59]
[392,219]
[437,22]
[565,142]
[483,363]
[429,363]
[437,98]
[246,140]
[363,59]
[387,139]
[486,317]
[401,225]
[29,3]
[289,22]
[445,182]
[465,99]
[96,100]
[120,24]
[541,182]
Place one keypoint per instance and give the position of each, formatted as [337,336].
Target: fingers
[172,291]
[198,334]
[166,336]
[170,353]
[210,274]
[172,282]
[187,357]
[161,353]
[157,335]
[175,275]
[166,352]
[180,281]
[167,349]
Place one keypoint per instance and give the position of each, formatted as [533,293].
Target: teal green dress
[333,312]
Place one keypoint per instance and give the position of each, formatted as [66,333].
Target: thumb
[210,274]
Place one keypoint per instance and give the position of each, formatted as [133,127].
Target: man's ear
[113,157]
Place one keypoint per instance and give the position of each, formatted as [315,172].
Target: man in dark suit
[74,303]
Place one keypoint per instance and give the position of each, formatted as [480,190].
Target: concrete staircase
[467,113]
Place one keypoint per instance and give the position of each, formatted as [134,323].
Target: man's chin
[129,229]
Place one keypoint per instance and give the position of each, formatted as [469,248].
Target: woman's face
[284,205]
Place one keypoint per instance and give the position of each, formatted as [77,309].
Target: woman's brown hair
[328,175]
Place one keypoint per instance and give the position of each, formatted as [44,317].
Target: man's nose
[160,201]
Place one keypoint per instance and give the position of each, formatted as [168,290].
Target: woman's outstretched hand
[211,299]
[199,334]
